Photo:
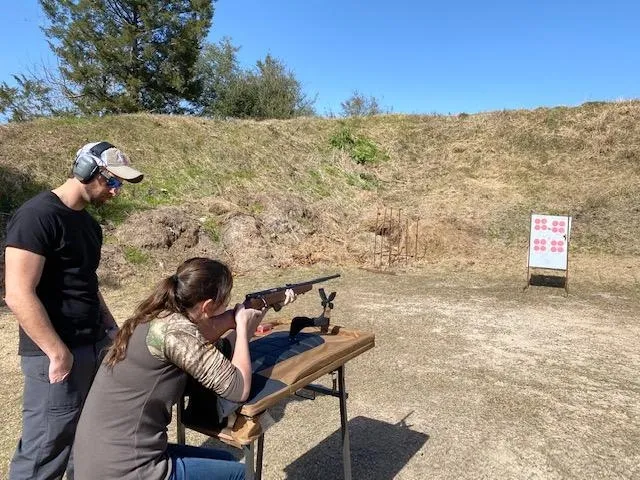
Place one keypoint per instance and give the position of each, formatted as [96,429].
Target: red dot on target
[554,223]
[561,230]
[536,248]
[543,241]
[554,229]
[537,227]
[537,220]
[544,227]
[543,249]
[561,249]
[562,223]
[544,220]
[553,249]
[536,241]
[553,242]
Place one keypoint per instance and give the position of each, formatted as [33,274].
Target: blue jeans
[197,463]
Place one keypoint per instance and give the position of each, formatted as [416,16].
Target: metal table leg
[346,449]
[259,457]
[249,469]
[253,459]
[180,433]
[341,393]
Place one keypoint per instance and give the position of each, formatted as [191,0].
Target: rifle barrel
[290,285]
[315,280]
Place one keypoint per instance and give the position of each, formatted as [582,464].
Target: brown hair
[196,279]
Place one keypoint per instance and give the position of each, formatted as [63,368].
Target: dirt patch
[161,229]
[157,240]
[470,378]
[276,231]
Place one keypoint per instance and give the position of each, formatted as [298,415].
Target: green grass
[135,256]
[212,229]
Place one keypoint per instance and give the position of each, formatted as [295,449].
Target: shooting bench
[283,367]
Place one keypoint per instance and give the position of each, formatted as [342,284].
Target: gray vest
[122,432]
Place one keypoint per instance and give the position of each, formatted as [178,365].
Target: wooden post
[384,221]
[375,238]
[388,239]
[406,242]
[416,250]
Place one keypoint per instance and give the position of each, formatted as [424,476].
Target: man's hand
[289,297]
[112,332]
[60,367]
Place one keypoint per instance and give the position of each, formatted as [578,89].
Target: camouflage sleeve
[179,342]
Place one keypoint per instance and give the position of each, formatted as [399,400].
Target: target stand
[549,237]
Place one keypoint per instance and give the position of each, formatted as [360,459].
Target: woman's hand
[248,319]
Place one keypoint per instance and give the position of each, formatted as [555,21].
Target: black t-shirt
[70,240]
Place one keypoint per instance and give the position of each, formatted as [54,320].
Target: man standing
[51,285]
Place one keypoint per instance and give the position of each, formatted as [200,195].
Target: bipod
[322,321]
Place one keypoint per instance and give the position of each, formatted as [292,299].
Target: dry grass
[472,179]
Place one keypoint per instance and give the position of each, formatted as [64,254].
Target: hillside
[279,194]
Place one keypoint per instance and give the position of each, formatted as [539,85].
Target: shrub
[364,151]
[359,148]
[343,139]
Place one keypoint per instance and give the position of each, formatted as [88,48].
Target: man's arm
[23,270]
[106,317]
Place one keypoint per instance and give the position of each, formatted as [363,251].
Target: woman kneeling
[122,433]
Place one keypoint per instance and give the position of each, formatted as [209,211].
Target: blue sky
[413,56]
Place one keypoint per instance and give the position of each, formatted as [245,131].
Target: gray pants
[50,413]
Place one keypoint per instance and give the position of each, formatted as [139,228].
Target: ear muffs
[85,167]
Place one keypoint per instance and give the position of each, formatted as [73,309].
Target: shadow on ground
[548,281]
[379,450]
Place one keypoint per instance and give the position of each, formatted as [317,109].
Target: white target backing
[549,241]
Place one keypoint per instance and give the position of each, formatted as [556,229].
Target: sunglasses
[112,182]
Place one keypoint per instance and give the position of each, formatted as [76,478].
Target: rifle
[212,329]
[274,297]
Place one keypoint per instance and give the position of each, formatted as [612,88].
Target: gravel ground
[470,378]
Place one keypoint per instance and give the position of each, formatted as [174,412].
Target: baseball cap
[112,159]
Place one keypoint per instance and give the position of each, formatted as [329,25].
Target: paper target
[549,241]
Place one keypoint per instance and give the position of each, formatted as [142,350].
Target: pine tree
[119,56]
[218,70]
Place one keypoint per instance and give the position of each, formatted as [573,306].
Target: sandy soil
[470,378]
